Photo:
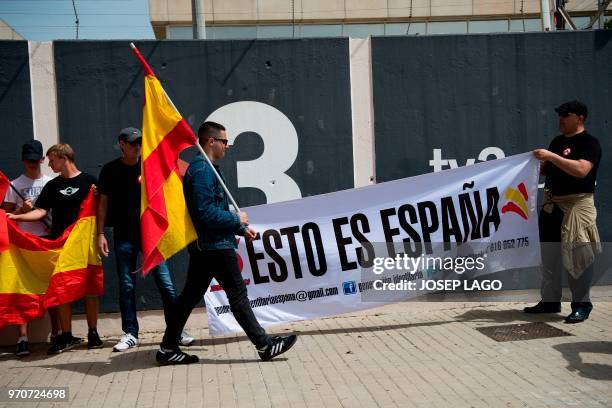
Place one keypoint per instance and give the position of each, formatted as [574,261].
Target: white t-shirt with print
[28,188]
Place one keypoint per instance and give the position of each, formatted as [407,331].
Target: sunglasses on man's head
[135,143]
[224,141]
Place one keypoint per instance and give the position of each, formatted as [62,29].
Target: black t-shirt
[582,146]
[63,197]
[121,183]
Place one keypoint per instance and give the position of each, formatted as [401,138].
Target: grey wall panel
[100,90]
[461,94]
[15,105]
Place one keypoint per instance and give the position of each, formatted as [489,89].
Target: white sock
[22,338]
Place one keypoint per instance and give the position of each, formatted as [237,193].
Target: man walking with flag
[165,135]
[214,254]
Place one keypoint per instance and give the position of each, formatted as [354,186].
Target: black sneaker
[62,342]
[72,342]
[22,349]
[544,307]
[279,345]
[57,345]
[577,316]
[174,357]
[93,340]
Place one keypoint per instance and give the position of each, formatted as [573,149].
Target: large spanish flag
[38,273]
[164,220]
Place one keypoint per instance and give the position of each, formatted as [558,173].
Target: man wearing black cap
[19,199]
[568,229]
[119,207]
[27,187]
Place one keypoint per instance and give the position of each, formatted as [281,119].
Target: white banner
[326,255]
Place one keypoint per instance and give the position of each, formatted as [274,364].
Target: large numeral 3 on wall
[267,172]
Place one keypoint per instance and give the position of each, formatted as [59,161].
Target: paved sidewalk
[407,355]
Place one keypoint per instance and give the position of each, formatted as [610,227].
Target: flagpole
[217,174]
[149,71]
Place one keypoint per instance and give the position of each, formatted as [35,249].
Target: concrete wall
[314,11]
[447,101]
[15,105]
[7,32]
[286,105]
[321,114]
[443,101]
[44,100]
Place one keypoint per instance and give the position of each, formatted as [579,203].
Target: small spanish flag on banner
[38,273]
[165,225]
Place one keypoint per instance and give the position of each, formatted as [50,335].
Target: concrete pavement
[402,355]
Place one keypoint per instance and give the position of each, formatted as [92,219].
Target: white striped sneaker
[167,357]
[186,339]
[127,341]
[279,345]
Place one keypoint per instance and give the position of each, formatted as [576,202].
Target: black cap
[130,134]
[32,150]
[575,107]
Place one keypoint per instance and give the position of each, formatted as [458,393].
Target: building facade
[240,19]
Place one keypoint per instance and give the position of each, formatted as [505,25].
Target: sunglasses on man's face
[136,143]
[224,141]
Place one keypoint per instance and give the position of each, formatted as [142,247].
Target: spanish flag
[165,225]
[37,273]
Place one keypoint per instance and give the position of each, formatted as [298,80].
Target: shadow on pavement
[134,360]
[507,316]
[339,330]
[573,352]
[145,359]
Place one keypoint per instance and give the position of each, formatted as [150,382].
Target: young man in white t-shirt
[23,192]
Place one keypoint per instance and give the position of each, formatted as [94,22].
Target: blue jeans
[126,253]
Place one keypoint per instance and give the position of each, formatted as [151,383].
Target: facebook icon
[349,287]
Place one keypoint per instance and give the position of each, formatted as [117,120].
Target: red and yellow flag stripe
[166,227]
[38,273]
